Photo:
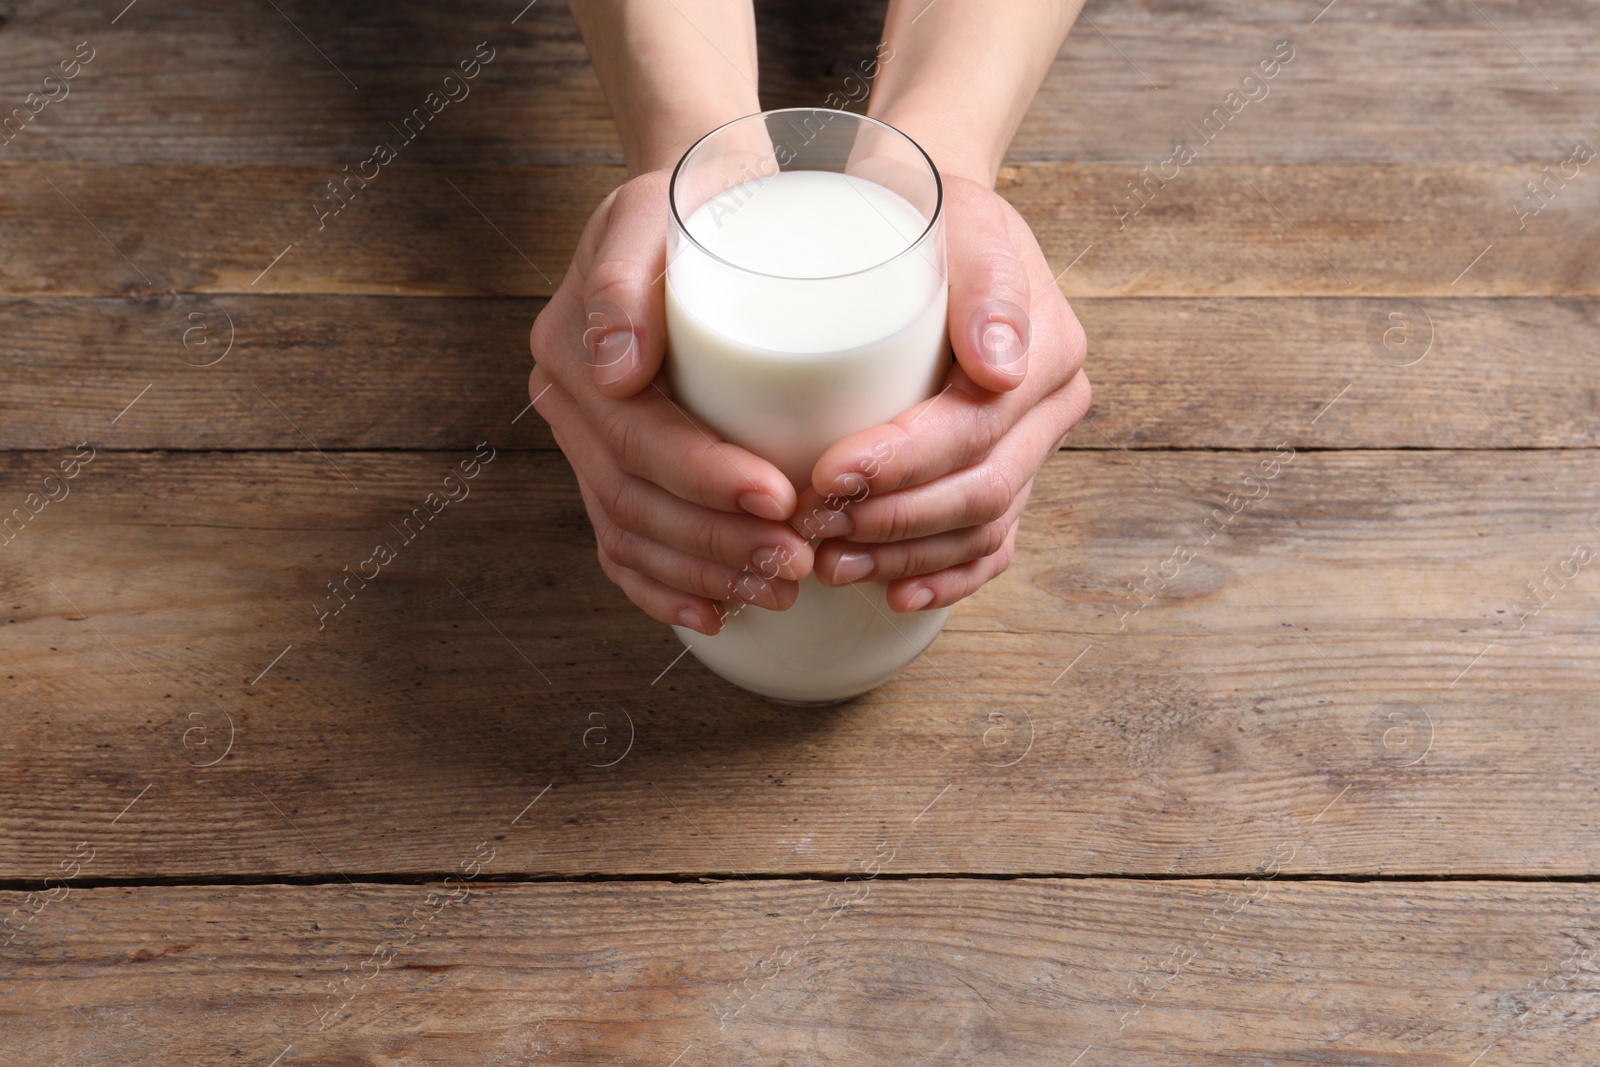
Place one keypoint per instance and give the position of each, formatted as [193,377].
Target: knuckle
[539,332]
[900,517]
[601,219]
[1003,557]
[620,433]
[607,565]
[722,543]
[540,384]
[1076,341]
[703,472]
[627,549]
[606,539]
[1003,274]
[613,541]
[894,440]
[644,192]
[988,429]
[616,498]
[1067,348]
[609,203]
[991,538]
[609,279]
[1000,489]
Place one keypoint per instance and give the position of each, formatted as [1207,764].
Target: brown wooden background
[1326,799]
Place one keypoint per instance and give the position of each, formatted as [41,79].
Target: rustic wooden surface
[1189,732]
[1035,971]
[1331,795]
[1269,230]
[1168,373]
[1405,81]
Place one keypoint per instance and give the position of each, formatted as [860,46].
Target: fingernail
[822,522]
[769,560]
[1001,332]
[852,567]
[850,484]
[612,355]
[760,505]
[920,599]
[1001,348]
[754,589]
[689,617]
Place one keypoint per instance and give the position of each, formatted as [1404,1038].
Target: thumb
[989,294]
[624,319]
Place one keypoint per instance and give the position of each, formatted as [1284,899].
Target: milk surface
[807,312]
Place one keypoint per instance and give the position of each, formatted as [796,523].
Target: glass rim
[933,219]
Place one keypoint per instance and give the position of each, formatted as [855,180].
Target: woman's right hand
[685,522]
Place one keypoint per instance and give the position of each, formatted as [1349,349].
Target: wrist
[671,72]
[660,142]
[953,149]
[959,81]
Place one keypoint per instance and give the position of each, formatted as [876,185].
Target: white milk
[785,366]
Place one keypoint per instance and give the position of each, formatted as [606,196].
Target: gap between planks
[23,885]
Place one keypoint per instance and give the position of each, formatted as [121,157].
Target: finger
[663,603]
[653,438]
[958,426]
[769,548]
[842,562]
[954,583]
[683,572]
[953,429]
[989,287]
[972,496]
[624,317]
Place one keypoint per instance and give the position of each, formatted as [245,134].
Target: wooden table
[1265,750]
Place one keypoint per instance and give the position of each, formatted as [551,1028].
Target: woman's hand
[931,501]
[684,521]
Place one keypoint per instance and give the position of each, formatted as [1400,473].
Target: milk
[809,310]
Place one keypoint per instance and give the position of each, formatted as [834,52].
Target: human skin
[929,502]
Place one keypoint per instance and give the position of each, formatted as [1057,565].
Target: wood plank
[172,85]
[1018,972]
[371,372]
[1169,14]
[1410,82]
[1312,230]
[268,372]
[1392,231]
[1352,636]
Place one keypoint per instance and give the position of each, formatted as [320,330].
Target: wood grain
[211,82]
[1215,230]
[1379,84]
[1353,637]
[174,85]
[1314,780]
[369,372]
[741,972]
[278,372]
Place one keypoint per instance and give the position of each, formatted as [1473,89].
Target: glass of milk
[806,299]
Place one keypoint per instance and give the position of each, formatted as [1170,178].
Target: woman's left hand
[930,502]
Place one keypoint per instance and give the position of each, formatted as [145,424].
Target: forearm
[963,72]
[671,71]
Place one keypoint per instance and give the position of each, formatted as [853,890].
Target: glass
[806,300]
